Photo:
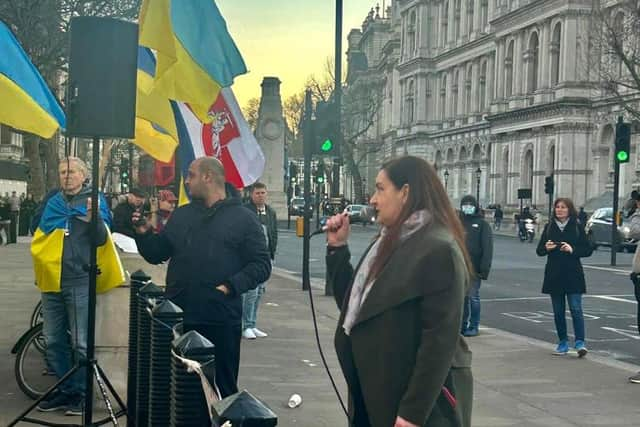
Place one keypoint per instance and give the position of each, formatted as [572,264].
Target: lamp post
[478,174]
[446,180]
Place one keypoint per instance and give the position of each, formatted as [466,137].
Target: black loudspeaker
[524,193]
[101,98]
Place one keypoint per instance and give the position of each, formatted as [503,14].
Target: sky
[288,39]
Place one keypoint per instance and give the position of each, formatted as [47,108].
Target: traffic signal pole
[307,144]
[614,223]
[337,161]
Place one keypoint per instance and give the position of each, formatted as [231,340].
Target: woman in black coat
[564,242]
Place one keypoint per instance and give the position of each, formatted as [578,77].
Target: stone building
[497,94]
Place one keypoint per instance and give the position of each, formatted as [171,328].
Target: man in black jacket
[480,247]
[124,211]
[217,252]
[251,299]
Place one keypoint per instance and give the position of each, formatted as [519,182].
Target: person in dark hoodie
[217,252]
[479,239]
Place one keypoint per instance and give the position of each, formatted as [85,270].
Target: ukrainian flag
[156,130]
[26,103]
[48,241]
[196,54]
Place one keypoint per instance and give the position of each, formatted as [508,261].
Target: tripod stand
[89,362]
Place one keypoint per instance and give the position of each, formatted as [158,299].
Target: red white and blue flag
[228,137]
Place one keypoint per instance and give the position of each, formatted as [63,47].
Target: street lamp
[446,179]
[478,174]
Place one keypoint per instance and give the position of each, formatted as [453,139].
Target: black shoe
[55,402]
[75,406]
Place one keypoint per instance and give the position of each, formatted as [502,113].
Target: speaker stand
[89,362]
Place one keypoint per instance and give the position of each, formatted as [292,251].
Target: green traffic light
[622,156]
[327,145]
[320,179]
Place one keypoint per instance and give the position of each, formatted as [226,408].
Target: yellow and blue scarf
[48,241]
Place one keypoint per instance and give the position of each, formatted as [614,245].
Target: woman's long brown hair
[425,192]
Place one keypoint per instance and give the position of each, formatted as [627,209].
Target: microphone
[324,229]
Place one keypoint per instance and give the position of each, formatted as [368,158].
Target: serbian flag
[227,136]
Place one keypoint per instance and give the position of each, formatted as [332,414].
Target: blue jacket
[208,247]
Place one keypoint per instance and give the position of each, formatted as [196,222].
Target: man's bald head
[212,167]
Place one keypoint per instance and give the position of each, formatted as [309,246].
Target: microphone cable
[317,335]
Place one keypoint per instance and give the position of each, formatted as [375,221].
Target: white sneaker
[258,333]
[249,334]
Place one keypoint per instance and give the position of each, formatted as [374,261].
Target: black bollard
[188,405]
[243,409]
[164,317]
[138,280]
[147,295]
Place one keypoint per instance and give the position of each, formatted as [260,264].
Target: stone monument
[270,133]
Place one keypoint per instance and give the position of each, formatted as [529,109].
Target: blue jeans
[65,322]
[250,302]
[575,307]
[471,314]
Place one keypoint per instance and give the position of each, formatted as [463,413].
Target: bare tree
[615,52]
[293,111]
[250,112]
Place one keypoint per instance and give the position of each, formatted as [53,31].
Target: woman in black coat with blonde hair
[564,242]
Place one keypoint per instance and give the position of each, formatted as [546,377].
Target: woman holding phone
[564,242]
[398,336]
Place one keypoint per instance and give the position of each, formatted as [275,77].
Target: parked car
[598,229]
[362,214]
[296,208]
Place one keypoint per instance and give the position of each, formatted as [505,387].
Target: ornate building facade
[497,94]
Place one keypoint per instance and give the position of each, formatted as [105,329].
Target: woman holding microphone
[398,337]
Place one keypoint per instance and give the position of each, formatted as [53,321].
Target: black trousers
[226,338]
[13,232]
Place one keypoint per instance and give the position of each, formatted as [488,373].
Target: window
[467,90]
[456,17]
[532,72]
[445,22]
[555,54]
[508,71]
[454,94]
[482,87]
[484,15]
[443,97]
[411,33]
[470,16]
[409,103]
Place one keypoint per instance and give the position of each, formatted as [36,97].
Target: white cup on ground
[294,401]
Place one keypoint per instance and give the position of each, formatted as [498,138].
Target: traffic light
[548,184]
[325,138]
[124,172]
[623,141]
[320,179]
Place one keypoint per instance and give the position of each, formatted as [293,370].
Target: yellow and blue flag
[48,243]
[196,55]
[27,103]
[156,130]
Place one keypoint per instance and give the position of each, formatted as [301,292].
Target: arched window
[532,84]
[443,97]
[411,33]
[555,54]
[482,87]
[438,160]
[484,15]
[462,177]
[450,155]
[551,160]
[476,154]
[445,23]
[467,90]
[470,16]
[456,22]
[508,71]
[454,94]
[409,102]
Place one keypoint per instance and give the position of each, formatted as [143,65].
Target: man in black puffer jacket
[480,246]
[217,251]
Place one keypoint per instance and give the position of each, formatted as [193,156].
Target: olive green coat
[406,342]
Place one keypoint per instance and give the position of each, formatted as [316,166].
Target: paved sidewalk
[517,380]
